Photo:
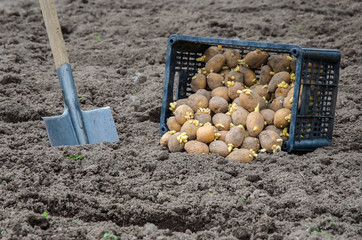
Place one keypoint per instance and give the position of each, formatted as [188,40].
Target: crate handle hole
[171,40]
[294,52]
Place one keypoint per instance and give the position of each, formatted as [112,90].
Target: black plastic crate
[317,74]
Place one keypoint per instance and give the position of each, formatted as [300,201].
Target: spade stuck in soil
[74,126]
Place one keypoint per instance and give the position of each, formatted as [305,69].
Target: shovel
[74,126]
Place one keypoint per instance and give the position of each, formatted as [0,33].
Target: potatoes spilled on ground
[241,105]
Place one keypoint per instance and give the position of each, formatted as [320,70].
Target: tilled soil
[135,188]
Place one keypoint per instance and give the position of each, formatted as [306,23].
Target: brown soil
[134,188]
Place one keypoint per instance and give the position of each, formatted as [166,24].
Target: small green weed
[2,233]
[75,157]
[109,236]
[45,214]
[80,96]
[243,199]
[134,94]
[210,194]
[97,37]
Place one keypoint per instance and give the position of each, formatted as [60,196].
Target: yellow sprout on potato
[246,91]
[263,150]
[207,124]
[232,108]
[225,67]
[232,125]
[172,132]
[241,62]
[230,147]
[195,122]
[201,59]
[219,47]
[182,138]
[189,115]
[241,127]
[284,133]
[258,50]
[230,83]
[173,106]
[203,110]
[289,58]
[288,117]
[217,135]
[291,100]
[253,153]
[283,84]
[237,69]
[276,148]
[219,125]
[272,73]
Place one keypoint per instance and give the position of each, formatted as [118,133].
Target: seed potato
[262,90]
[196,147]
[164,139]
[249,100]
[265,75]
[270,141]
[232,56]
[218,105]
[248,75]
[278,78]
[210,52]
[235,137]
[198,82]
[255,59]
[251,143]
[172,124]
[174,145]
[215,63]
[239,116]
[190,127]
[254,123]
[279,63]
[234,76]
[241,155]
[183,113]
[219,147]
[268,116]
[221,121]
[221,92]
[196,101]
[276,104]
[282,118]
[233,90]
[206,134]
[215,80]
[205,93]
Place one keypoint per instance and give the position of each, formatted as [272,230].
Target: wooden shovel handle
[54,32]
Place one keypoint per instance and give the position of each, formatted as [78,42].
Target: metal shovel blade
[98,124]
[74,126]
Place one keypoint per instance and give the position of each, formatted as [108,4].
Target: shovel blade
[98,123]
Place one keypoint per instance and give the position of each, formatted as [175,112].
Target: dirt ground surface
[136,189]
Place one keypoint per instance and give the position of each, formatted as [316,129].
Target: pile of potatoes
[241,105]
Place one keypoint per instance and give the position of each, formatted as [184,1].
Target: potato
[234,76]
[288,102]
[282,91]
[196,101]
[206,134]
[232,56]
[221,92]
[175,144]
[293,65]
[268,116]
[215,80]
[210,52]
[241,155]
[222,135]
[235,137]
[282,118]
[270,141]
[278,78]
[236,101]
[255,123]
[205,93]
[274,128]
[233,90]
[190,127]
[164,139]
[219,147]
[172,124]
[203,115]
[239,116]
[283,133]
[255,59]
[221,121]
[196,147]
[225,71]
[276,104]
[262,90]
[180,102]
[249,100]
[183,113]
[251,143]
[279,63]
[215,63]
[218,105]
[248,75]
[265,75]
[198,82]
